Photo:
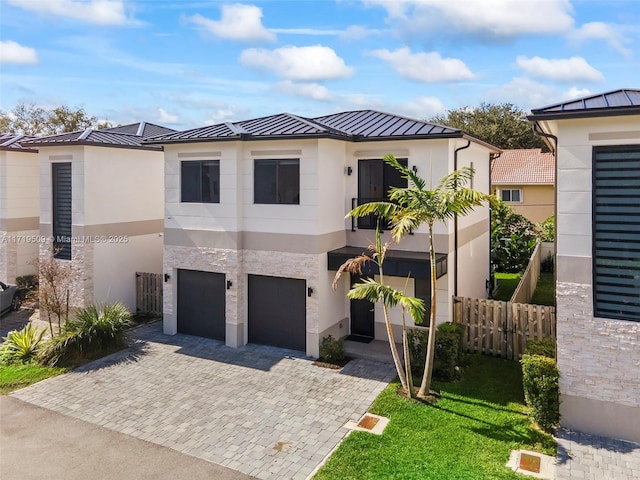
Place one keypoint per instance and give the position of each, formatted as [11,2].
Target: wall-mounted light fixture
[167,277]
[415,169]
[229,284]
[309,291]
[349,170]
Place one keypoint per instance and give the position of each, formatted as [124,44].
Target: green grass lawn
[13,377]
[507,284]
[545,293]
[468,434]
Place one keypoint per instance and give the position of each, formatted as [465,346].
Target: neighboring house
[255,225]
[524,179]
[597,145]
[19,207]
[101,208]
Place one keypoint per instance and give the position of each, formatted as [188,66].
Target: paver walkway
[263,411]
[589,457]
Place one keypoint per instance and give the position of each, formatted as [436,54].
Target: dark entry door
[201,304]
[362,315]
[278,312]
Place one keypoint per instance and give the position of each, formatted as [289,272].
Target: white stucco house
[101,202]
[596,140]
[19,207]
[255,225]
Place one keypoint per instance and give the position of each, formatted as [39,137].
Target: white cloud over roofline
[99,12]
[239,22]
[307,64]
[566,70]
[315,91]
[428,67]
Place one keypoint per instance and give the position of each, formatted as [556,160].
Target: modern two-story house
[19,207]
[255,228]
[101,208]
[525,179]
[596,140]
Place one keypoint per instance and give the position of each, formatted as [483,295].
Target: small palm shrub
[92,330]
[21,345]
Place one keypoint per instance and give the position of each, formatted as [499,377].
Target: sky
[190,63]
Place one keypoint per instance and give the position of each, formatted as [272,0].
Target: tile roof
[528,166]
[14,142]
[352,126]
[617,102]
[126,136]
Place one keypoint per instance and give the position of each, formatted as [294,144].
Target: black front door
[362,315]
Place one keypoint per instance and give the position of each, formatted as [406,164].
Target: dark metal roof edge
[18,149]
[594,112]
[72,143]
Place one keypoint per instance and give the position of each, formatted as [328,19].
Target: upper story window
[61,209]
[616,232]
[511,195]
[375,178]
[276,181]
[200,181]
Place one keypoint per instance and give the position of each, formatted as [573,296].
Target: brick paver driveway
[263,411]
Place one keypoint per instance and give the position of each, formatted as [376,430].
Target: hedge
[541,390]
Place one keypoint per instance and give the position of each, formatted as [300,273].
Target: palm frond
[405,171]
[352,265]
[372,290]
[380,209]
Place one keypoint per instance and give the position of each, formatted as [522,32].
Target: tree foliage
[503,125]
[30,119]
[513,238]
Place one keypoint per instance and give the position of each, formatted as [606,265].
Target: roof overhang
[154,148]
[591,113]
[397,263]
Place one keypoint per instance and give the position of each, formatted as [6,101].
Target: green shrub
[541,391]
[92,330]
[543,346]
[21,345]
[513,238]
[448,350]
[332,350]
[547,229]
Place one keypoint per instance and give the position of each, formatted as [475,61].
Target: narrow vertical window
[61,209]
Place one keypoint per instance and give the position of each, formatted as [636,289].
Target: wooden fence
[500,328]
[148,293]
[529,280]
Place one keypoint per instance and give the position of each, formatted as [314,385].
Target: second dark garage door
[201,304]
[277,312]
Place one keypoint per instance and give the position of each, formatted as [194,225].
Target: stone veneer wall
[599,361]
[236,265]
[81,277]
[8,258]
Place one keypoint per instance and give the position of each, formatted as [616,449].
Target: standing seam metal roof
[617,102]
[352,125]
[13,142]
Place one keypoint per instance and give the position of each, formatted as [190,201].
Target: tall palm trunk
[425,386]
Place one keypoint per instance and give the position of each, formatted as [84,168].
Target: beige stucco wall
[537,201]
[598,358]
[19,212]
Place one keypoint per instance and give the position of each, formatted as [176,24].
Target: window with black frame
[616,232]
[375,178]
[276,181]
[200,181]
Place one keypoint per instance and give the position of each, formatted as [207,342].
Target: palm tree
[377,291]
[411,206]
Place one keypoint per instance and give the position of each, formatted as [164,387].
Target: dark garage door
[201,304]
[277,312]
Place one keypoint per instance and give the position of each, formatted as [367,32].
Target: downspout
[455,225]
[491,281]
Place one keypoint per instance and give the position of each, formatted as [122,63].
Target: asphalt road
[37,444]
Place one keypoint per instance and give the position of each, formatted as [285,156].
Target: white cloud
[167,118]
[523,92]
[425,67]
[575,92]
[492,18]
[314,91]
[574,69]
[423,107]
[609,33]
[13,52]
[358,32]
[309,64]
[101,12]
[238,22]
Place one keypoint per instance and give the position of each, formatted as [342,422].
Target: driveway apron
[263,411]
